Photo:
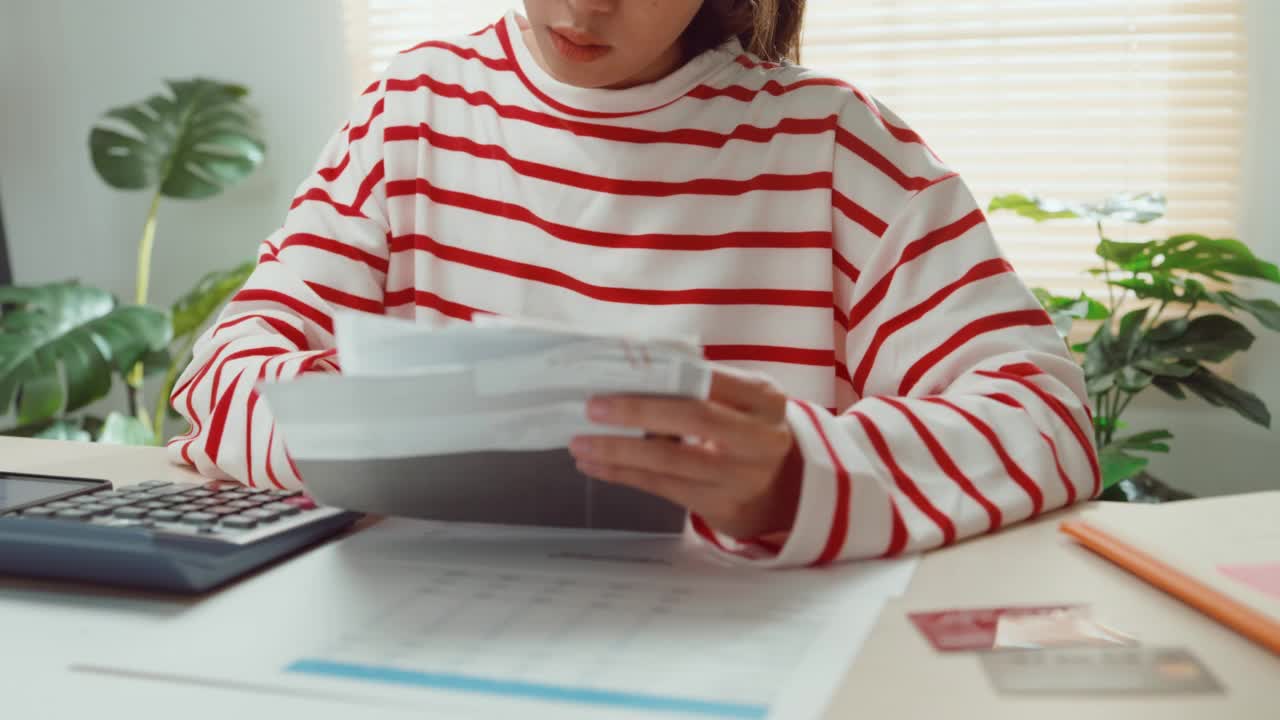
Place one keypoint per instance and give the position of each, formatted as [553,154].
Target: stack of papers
[472,422]
[410,619]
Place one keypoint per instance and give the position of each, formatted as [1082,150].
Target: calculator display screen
[19,490]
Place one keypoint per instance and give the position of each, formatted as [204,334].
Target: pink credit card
[972,628]
[1264,577]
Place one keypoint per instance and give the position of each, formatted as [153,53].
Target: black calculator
[157,535]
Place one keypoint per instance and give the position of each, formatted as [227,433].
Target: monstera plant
[1166,324]
[63,345]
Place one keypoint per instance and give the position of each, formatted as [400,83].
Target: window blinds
[1076,99]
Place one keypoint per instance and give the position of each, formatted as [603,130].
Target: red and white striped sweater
[783,216]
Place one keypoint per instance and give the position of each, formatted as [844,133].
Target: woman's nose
[594,7]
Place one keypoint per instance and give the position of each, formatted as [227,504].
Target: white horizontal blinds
[1077,99]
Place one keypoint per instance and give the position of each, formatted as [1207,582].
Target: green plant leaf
[1140,208]
[72,430]
[155,361]
[1168,330]
[1064,311]
[1220,392]
[1150,441]
[1133,208]
[1167,367]
[1126,255]
[1169,386]
[193,143]
[1099,384]
[59,429]
[1208,338]
[1100,357]
[1117,465]
[1266,312]
[1127,337]
[1034,207]
[1133,379]
[1158,266]
[125,430]
[191,311]
[60,343]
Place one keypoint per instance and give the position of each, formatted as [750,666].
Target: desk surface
[898,675]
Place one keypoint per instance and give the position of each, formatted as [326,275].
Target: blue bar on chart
[512,689]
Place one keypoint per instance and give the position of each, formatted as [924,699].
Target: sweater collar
[607,103]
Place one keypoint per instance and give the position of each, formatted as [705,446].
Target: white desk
[896,676]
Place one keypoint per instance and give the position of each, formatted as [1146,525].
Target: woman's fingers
[691,462]
[682,417]
[753,395]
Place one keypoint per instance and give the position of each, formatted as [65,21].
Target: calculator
[183,537]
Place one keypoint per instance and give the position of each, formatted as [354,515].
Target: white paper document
[408,390]
[501,622]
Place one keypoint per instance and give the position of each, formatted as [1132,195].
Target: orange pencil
[1236,615]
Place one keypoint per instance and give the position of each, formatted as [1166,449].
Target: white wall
[1215,451]
[63,62]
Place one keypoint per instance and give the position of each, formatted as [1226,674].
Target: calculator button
[109,494]
[154,504]
[129,513]
[199,518]
[241,504]
[221,510]
[256,491]
[73,514]
[164,515]
[185,508]
[58,505]
[39,511]
[302,502]
[96,509]
[261,515]
[114,502]
[239,522]
[80,500]
[198,493]
[162,492]
[285,493]
[154,484]
[283,509]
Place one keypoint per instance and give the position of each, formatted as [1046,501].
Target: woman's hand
[722,458]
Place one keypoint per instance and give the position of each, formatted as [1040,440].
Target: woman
[661,165]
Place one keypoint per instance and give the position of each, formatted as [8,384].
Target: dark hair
[769,29]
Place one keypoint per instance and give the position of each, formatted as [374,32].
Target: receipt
[596,366]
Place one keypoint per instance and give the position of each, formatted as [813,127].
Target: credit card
[1099,670]
[962,629]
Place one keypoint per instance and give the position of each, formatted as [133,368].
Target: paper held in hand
[471,422]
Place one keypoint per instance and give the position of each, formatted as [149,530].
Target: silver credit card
[1099,670]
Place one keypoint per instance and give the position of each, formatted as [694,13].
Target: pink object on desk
[1263,576]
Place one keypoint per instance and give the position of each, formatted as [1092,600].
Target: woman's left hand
[730,471]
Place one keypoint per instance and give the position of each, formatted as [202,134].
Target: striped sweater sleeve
[331,252]
[964,411]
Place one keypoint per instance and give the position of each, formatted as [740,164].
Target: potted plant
[1166,324]
[63,345]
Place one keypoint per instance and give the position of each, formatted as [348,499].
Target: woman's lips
[577,47]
